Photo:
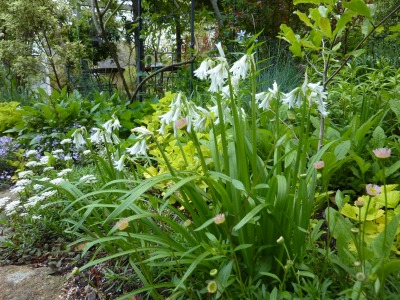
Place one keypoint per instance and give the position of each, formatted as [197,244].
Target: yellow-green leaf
[325,26]
[303,17]
[358,6]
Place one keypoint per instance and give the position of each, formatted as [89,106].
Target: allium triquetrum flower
[201,72]
[78,138]
[119,164]
[382,153]
[217,75]
[139,148]
[312,92]
[242,66]
[264,98]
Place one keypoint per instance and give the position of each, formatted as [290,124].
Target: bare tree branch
[166,68]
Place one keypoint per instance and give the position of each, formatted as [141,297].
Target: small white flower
[48,194]
[23,214]
[44,160]
[17,189]
[64,172]
[4,201]
[88,179]
[57,181]
[38,187]
[11,206]
[293,98]
[57,151]
[119,165]
[66,141]
[67,157]
[23,182]
[25,174]
[32,201]
[31,164]
[34,217]
[48,169]
[31,153]
[86,152]
[44,178]
[241,35]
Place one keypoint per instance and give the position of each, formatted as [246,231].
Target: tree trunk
[113,53]
[217,11]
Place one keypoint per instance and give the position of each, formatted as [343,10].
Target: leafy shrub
[10,115]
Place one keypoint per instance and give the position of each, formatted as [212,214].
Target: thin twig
[362,42]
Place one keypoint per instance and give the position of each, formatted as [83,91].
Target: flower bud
[212,287]
[214,272]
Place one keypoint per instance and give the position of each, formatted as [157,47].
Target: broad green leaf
[303,17]
[358,6]
[395,107]
[392,266]
[224,273]
[383,250]
[366,27]
[342,149]
[289,36]
[393,198]
[378,138]
[341,24]
[349,211]
[395,28]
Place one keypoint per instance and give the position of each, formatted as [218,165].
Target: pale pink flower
[382,153]
[319,165]
[219,219]
[122,224]
[373,190]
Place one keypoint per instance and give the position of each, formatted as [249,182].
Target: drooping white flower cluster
[264,98]
[183,113]
[217,71]
[312,92]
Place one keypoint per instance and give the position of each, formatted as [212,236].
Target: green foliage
[10,115]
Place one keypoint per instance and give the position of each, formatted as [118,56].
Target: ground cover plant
[236,191]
